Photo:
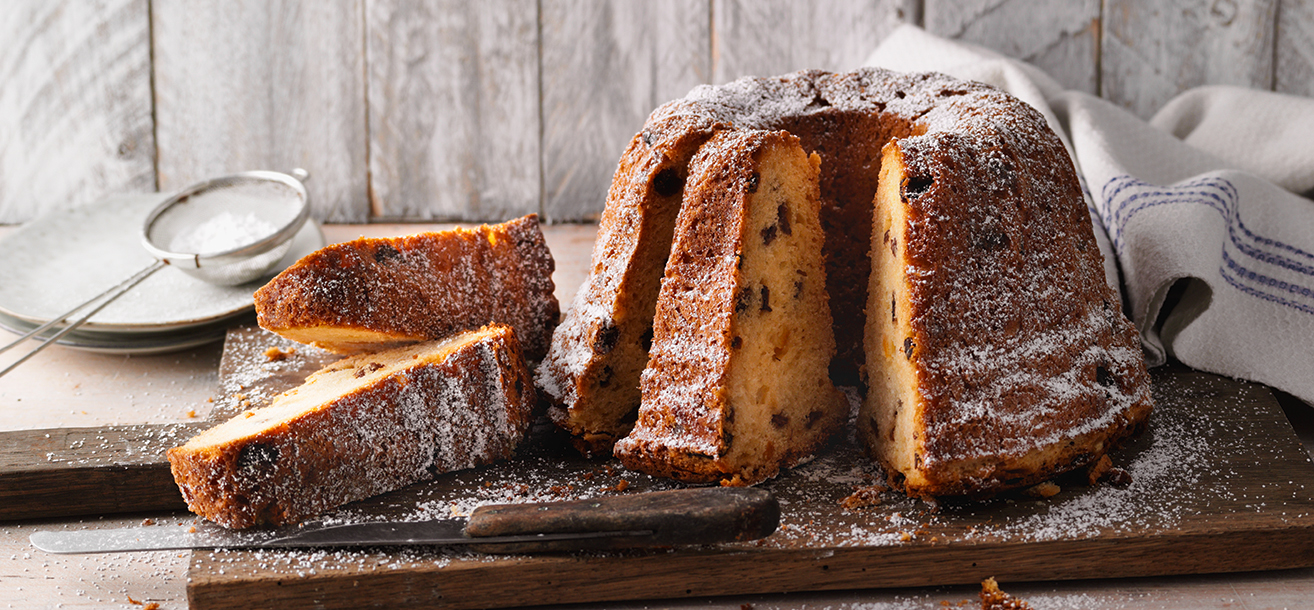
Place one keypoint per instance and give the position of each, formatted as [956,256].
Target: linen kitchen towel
[1198,209]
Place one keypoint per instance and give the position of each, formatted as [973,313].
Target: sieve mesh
[227,214]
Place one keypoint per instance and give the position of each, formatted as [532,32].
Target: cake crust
[375,293]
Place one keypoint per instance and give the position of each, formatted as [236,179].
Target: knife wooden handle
[704,515]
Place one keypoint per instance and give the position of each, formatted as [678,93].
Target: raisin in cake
[359,427]
[374,293]
[737,384]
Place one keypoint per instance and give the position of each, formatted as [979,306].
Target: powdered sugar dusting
[1014,364]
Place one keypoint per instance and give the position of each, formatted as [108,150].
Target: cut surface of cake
[591,374]
[374,293]
[359,427]
[997,355]
[737,383]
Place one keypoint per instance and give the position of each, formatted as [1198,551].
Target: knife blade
[657,519]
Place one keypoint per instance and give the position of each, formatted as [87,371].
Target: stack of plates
[68,256]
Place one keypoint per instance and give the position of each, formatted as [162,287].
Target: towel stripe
[1124,197]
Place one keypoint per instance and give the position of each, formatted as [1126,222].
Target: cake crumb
[1095,472]
[994,599]
[144,605]
[1043,490]
[148,521]
[621,485]
[1118,478]
[275,354]
[863,496]
[191,413]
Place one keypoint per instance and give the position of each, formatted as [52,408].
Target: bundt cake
[1002,358]
[359,427]
[737,382]
[373,293]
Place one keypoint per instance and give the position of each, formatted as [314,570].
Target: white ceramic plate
[130,343]
[68,256]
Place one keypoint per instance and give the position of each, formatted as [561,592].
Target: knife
[697,516]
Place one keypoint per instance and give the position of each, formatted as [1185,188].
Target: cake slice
[737,383]
[997,355]
[362,426]
[374,293]
[591,373]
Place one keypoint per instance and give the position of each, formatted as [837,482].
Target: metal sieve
[227,231]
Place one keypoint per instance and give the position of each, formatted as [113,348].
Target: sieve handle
[109,296]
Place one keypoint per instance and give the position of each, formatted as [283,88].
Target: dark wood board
[1220,483]
[58,472]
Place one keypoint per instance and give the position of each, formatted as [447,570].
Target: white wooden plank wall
[1059,36]
[249,84]
[1294,56]
[764,37]
[452,110]
[75,103]
[1153,51]
[606,65]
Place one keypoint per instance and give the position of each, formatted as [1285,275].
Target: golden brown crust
[992,598]
[359,427]
[374,293]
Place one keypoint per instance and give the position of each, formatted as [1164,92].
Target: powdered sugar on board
[1184,468]
[1207,462]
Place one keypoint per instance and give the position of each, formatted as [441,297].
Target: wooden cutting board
[58,472]
[1220,483]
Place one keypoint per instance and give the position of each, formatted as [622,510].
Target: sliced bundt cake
[591,374]
[737,383]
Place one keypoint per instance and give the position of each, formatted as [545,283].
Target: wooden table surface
[63,387]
